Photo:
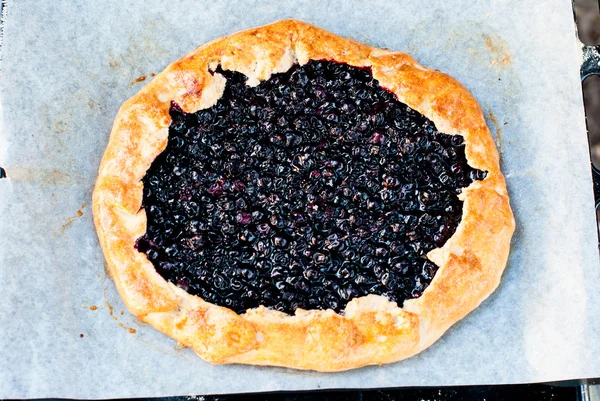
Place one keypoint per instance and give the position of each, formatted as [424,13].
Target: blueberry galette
[283,196]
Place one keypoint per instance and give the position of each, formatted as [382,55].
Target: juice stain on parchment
[109,306]
[111,310]
[177,349]
[138,80]
[71,220]
[140,49]
[489,71]
[497,129]
[130,64]
[142,78]
[498,47]
[43,176]
[136,53]
[488,49]
[296,372]
[483,54]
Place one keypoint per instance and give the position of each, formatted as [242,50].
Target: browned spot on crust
[138,80]
[501,55]
[180,324]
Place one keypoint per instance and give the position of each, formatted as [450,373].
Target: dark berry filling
[315,187]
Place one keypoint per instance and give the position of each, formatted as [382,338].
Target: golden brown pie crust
[372,329]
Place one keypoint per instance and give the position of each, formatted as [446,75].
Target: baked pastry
[283,196]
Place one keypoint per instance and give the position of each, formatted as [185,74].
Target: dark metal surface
[591,66]
[596,181]
[591,61]
[522,392]
[489,393]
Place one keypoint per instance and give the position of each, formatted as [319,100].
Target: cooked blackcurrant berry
[313,188]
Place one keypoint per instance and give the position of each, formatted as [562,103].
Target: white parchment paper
[68,65]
